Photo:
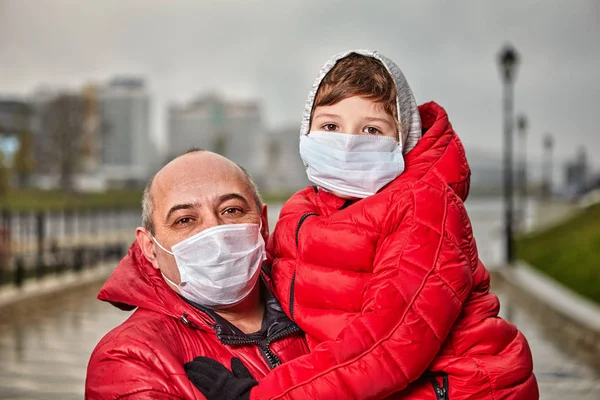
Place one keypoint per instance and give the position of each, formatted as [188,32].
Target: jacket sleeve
[421,278]
[117,372]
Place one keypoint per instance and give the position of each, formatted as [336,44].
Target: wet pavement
[45,347]
[560,376]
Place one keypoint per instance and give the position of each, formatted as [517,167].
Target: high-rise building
[129,155]
[42,143]
[14,116]
[285,172]
[231,128]
[195,125]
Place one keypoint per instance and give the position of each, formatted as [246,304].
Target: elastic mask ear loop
[159,245]
[168,252]
[169,281]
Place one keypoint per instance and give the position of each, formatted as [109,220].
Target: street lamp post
[522,170]
[508,60]
[548,144]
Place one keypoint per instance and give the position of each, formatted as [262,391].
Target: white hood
[409,120]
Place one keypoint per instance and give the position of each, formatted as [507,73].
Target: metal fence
[35,244]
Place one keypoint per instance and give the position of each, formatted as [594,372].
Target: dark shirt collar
[275,323]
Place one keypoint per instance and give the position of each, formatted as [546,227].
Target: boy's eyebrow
[378,120]
[370,119]
[326,115]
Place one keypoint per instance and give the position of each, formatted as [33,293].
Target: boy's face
[354,115]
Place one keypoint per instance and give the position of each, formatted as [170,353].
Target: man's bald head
[193,162]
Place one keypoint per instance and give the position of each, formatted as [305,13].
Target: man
[194,276]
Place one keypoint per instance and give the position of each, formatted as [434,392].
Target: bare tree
[64,119]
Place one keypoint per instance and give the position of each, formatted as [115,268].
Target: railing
[36,244]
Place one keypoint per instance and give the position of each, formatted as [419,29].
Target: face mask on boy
[220,265]
[351,165]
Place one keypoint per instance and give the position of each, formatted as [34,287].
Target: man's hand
[216,382]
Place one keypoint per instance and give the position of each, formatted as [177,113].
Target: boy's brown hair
[358,75]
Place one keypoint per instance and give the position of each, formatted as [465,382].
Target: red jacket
[392,288]
[143,358]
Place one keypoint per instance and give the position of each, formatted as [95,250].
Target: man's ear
[264,217]
[144,239]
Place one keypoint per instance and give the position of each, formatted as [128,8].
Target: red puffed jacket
[143,358]
[391,291]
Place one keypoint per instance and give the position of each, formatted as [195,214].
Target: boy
[377,263]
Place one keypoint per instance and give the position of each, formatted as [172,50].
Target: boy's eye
[330,127]
[371,130]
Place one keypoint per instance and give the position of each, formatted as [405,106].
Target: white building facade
[286,172]
[231,128]
[129,154]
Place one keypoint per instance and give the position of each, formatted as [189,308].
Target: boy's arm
[421,279]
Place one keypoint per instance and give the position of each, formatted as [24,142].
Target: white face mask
[220,265]
[351,165]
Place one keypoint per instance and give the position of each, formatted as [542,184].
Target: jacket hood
[136,283]
[439,153]
[409,122]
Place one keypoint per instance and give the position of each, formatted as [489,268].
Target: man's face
[354,115]
[195,192]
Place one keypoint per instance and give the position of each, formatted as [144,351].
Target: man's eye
[183,221]
[233,211]
[371,130]
[330,127]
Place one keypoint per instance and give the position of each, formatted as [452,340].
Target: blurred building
[577,174]
[128,153]
[42,141]
[285,172]
[231,128]
[15,116]
[116,146]
[15,119]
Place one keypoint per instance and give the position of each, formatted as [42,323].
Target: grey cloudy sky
[273,50]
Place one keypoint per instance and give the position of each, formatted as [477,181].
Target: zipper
[300,222]
[441,391]
[264,345]
[270,357]
[292,296]
[286,332]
